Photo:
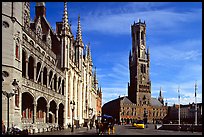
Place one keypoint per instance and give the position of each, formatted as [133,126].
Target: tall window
[138,35]
[17,49]
[17,99]
[143,68]
[142,35]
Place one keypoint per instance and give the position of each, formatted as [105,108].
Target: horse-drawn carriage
[105,124]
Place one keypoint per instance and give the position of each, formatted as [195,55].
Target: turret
[79,44]
[40,9]
[79,34]
[89,53]
[65,26]
[66,39]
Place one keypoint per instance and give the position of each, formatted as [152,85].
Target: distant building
[138,104]
[187,114]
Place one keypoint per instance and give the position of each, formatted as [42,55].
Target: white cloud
[156,20]
[112,93]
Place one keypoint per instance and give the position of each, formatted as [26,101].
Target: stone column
[52,84]
[34,114]
[35,70]
[65,118]
[57,109]
[57,86]
[48,108]
[48,80]
[27,68]
[42,76]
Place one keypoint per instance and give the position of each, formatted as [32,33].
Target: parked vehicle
[138,124]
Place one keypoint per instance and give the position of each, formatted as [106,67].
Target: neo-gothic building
[138,104]
[53,68]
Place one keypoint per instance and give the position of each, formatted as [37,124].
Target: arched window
[45,76]
[50,79]
[142,35]
[17,54]
[31,68]
[143,68]
[31,43]
[55,82]
[138,35]
[25,37]
[38,49]
[38,72]
[62,87]
[24,63]
[17,98]
[5,24]
[17,51]
[59,85]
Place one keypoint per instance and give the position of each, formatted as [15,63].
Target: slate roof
[125,100]
[155,102]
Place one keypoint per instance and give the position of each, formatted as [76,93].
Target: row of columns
[48,82]
[47,114]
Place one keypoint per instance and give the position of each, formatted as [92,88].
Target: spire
[79,35]
[88,51]
[166,102]
[95,73]
[65,19]
[160,94]
[160,98]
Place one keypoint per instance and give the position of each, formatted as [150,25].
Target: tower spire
[160,98]
[79,35]
[88,51]
[160,94]
[65,18]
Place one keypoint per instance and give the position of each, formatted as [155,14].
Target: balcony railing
[41,88]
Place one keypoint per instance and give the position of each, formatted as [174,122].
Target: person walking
[3,128]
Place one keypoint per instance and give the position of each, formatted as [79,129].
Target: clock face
[142,47]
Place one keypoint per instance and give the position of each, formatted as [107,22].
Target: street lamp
[145,116]
[9,95]
[72,104]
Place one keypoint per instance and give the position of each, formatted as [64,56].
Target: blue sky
[174,36]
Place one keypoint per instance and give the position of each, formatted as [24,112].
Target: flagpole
[179,107]
[195,104]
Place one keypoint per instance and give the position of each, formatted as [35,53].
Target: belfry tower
[139,88]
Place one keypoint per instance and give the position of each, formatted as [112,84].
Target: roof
[156,103]
[125,100]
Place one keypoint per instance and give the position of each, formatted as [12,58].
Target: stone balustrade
[42,88]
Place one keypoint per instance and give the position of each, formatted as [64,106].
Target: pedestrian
[3,128]
[87,126]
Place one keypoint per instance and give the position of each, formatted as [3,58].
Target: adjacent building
[52,68]
[187,114]
[138,104]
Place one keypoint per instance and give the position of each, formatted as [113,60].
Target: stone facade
[138,104]
[52,70]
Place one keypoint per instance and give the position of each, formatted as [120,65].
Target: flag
[178,94]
